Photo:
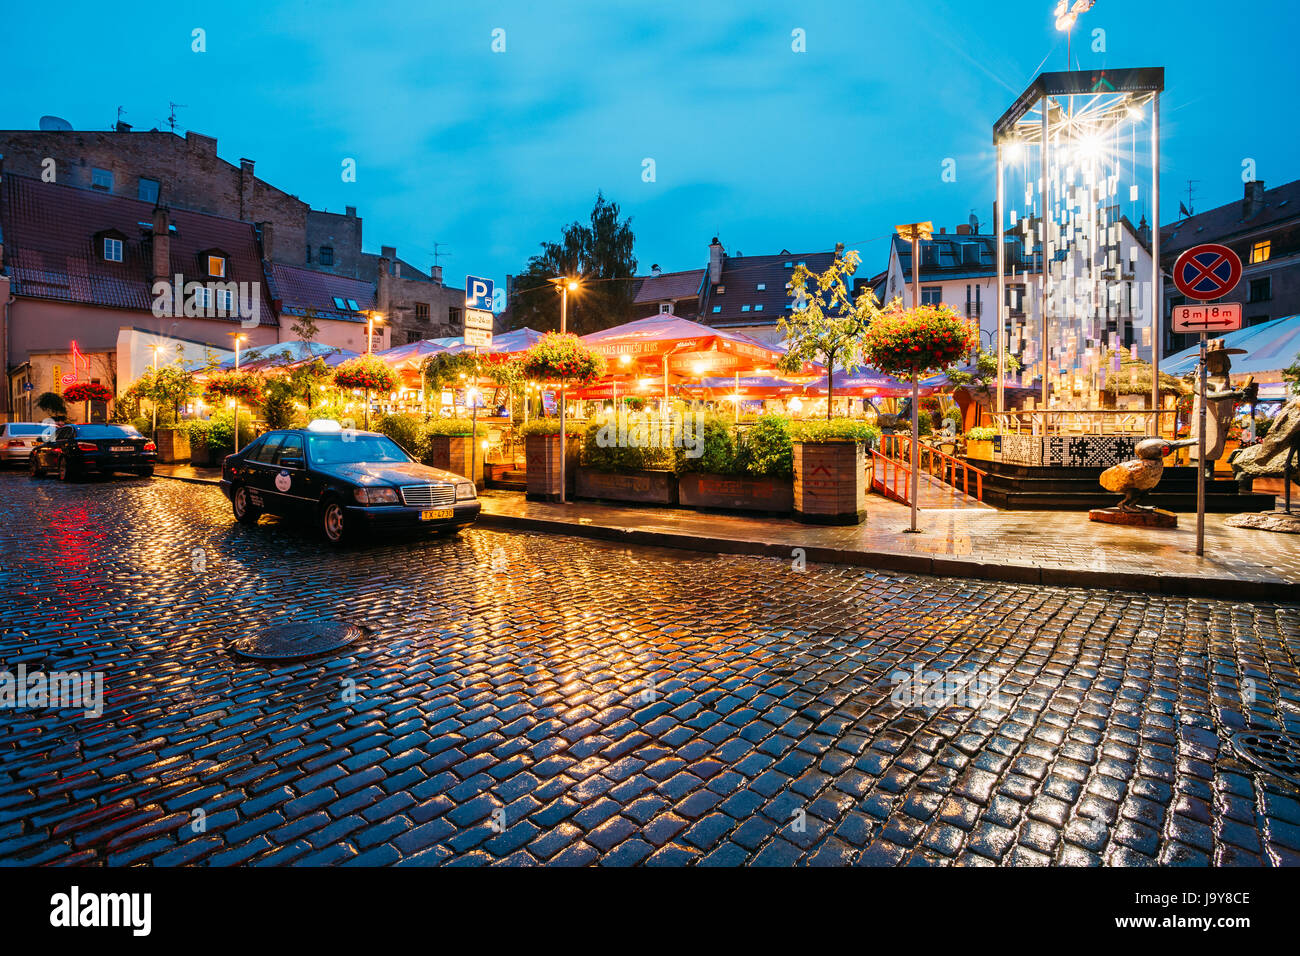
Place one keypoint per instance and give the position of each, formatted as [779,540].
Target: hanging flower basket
[909,343]
[365,371]
[562,359]
[87,392]
[242,386]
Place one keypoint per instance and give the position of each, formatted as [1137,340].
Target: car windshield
[350,449]
[28,429]
[107,431]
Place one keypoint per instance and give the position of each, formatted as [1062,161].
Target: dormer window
[217,266]
[762,286]
[665,308]
[720,289]
[112,249]
[340,304]
[352,305]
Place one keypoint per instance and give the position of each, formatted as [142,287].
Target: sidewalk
[1061,548]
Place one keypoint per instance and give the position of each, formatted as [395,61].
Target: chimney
[654,270]
[943,230]
[389,253]
[350,212]
[381,281]
[1254,201]
[246,182]
[123,127]
[436,274]
[162,245]
[716,255]
[963,229]
[267,235]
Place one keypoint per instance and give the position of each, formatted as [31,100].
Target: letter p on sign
[478,293]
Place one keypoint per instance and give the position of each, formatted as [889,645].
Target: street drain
[291,642]
[1269,750]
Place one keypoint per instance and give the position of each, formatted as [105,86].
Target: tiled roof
[742,302]
[52,234]
[296,290]
[669,286]
[954,256]
[1224,222]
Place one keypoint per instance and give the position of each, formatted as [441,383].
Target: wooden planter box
[173,445]
[452,453]
[644,487]
[736,493]
[981,450]
[542,466]
[830,482]
[204,456]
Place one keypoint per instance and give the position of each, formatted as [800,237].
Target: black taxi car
[78,450]
[348,481]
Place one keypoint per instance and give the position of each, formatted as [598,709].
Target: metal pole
[737,401]
[1157,280]
[154,403]
[1002,288]
[236,398]
[564,439]
[1042,249]
[473,431]
[916,390]
[1200,463]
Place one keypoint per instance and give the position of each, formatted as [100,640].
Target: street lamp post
[916,232]
[372,319]
[566,285]
[155,349]
[239,337]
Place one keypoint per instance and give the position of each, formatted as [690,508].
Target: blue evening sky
[491,153]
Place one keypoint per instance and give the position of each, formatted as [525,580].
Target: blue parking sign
[478,293]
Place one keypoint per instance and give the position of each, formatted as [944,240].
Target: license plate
[122,448]
[437,514]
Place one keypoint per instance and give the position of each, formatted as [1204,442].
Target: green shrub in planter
[406,430]
[551,426]
[765,450]
[611,456]
[836,429]
[982,434]
[719,453]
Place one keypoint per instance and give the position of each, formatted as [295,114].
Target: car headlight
[464,490]
[376,496]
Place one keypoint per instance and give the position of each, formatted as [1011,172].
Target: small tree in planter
[241,387]
[87,392]
[365,372]
[544,471]
[911,343]
[167,388]
[827,325]
[830,469]
[566,360]
[52,404]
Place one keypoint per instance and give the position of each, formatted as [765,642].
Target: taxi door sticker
[283,480]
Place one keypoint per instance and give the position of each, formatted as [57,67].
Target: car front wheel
[245,511]
[37,470]
[334,522]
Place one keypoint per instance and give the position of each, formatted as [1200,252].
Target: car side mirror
[292,463]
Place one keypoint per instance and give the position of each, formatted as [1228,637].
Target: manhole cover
[288,642]
[1269,750]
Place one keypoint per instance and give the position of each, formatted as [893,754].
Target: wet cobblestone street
[523,699]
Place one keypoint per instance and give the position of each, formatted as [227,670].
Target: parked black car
[346,481]
[79,450]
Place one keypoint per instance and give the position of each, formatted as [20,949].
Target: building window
[720,289]
[1261,251]
[217,266]
[340,304]
[309,255]
[1261,290]
[325,255]
[101,179]
[352,304]
[113,250]
[717,309]
[789,265]
[665,308]
[225,300]
[744,308]
[931,294]
[147,191]
[762,286]
[203,297]
[758,308]
[422,312]
[453,316]
[412,338]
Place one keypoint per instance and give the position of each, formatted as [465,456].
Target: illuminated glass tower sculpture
[1078,191]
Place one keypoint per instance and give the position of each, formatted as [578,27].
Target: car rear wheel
[245,511]
[65,470]
[334,522]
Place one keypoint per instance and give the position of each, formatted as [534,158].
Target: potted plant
[368,373]
[448,443]
[751,470]
[979,443]
[831,469]
[52,404]
[87,392]
[542,456]
[166,389]
[631,457]
[567,361]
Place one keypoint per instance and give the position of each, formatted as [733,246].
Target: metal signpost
[478,332]
[1205,272]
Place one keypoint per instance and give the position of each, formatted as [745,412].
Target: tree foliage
[600,249]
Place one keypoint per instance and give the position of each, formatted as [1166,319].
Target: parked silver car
[17,439]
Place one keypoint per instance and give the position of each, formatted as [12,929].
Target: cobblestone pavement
[540,699]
